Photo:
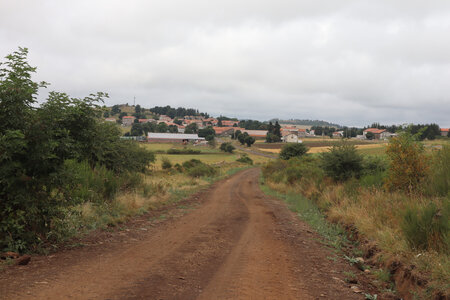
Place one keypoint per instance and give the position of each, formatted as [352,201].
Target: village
[185,129]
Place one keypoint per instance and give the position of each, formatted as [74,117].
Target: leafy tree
[236,134]
[162,127]
[249,140]
[191,128]
[208,131]
[115,110]
[36,181]
[342,162]
[106,114]
[409,164]
[277,131]
[219,123]
[138,109]
[241,138]
[178,122]
[227,147]
[173,129]
[370,135]
[148,127]
[293,150]
[122,114]
[136,129]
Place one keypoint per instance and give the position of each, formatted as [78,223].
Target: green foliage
[242,137]
[166,164]
[293,150]
[273,133]
[183,151]
[249,140]
[191,128]
[115,109]
[245,159]
[37,184]
[439,180]
[227,147]
[162,127]
[196,168]
[206,132]
[136,129]
[428,228]
[408,164]
[293,170]
[342,162]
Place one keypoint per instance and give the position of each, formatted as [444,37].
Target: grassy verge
[334,235]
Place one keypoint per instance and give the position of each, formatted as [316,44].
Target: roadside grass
[157,188]
[334,235]
[379,217]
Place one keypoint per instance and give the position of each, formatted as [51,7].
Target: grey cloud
[351,62]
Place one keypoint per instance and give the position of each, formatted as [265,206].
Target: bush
[191,163]
[439,181]
[408,164]
[196,168]
[245,159]
[293,150]
[183,151]
[342,162]
[201,170]
[227,147]
[166,164]
[427,228]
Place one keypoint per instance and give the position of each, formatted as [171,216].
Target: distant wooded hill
[306,122]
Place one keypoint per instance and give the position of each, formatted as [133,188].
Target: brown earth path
[236,244]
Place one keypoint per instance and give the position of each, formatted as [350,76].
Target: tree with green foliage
[370,135]
[136,129]
[227,147]
[173,129]
[207,131]
[236,134]
[138,109]
[191,128]
[342,162]
[115,109]
[162,127]
[409,164]
[40,146]
[241,138]
[249,140]
[293,150]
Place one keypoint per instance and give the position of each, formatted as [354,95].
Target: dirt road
[235,244]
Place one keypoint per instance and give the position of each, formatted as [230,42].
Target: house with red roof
[128,120]
[379,134]
[444,131]
[226,123]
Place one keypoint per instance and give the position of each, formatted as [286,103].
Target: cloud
[351,62]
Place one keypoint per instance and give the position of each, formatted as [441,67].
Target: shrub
[408,164]
[178,167]
[342,162]
[201,170]
[439,181]
[166,164]
[427,228]
[293,150]
[196,168]
[227,147]
[245,159]
[191,163]
[183,151]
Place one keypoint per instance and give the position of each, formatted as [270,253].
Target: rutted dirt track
[237,244]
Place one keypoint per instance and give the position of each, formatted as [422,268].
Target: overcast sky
[350,62]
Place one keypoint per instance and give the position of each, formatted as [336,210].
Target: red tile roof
[128,117]
[445,129]
[375,130]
